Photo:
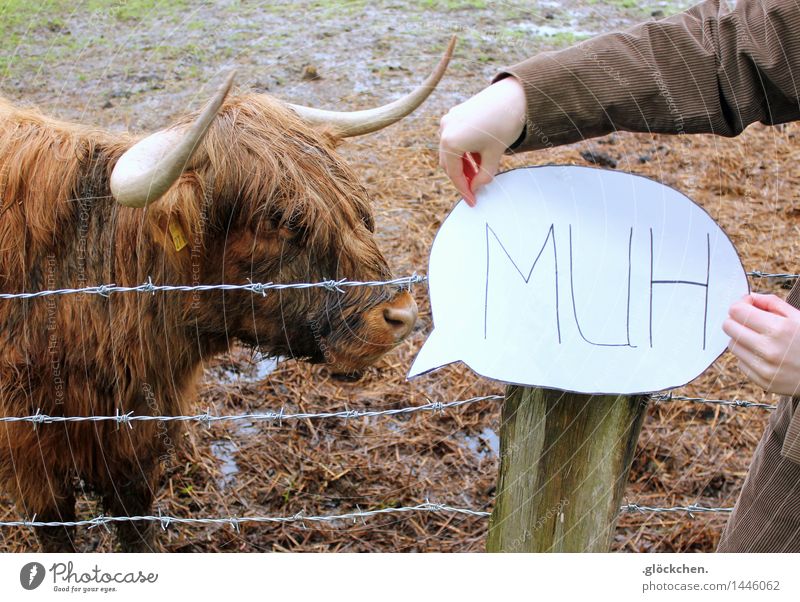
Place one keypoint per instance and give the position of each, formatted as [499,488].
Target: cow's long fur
[266,198]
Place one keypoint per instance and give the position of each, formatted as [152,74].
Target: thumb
[489,166]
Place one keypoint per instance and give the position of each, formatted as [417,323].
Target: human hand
[484,127]
[765,337]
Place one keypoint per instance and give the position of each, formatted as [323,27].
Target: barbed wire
[207,418]
[104,290]
[740,403]
[235,521]
[760,274]
[690,510]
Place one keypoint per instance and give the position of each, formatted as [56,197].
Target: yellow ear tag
[178,237]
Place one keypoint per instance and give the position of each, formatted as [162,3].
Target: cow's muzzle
[397,317]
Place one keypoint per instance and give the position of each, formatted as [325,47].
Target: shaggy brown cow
[256,191]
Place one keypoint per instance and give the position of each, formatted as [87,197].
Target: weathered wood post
[564,462]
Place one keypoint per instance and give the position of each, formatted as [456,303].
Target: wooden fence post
[564,462]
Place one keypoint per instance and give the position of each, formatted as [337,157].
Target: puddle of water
[225,452]
[248,373]
[553,30]
[247,428]
[478,444]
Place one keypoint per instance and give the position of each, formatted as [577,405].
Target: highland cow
[249,189]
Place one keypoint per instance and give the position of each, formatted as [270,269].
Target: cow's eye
[293,233]
[286,234]
[286,228]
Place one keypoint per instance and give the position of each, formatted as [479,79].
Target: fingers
[765,338]
[451,163]
[753,376]
[772,304]
[752,363]
[754,317]
[741,335]
[489,165]
[456,165]
[483,178]
[751,356]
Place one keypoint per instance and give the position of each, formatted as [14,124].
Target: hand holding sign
[471,164]
[484,126]
[765,337]
[581,279]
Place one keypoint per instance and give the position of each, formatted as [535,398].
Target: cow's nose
[401,315]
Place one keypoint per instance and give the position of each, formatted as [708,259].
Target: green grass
[515,33]
[454,4]
[333,8]
[134,10]
[672,6]
[23,14]
[565,38]
[625,4]
[48,22]
[558,39]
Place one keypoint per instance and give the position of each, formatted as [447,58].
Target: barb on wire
[207,418]
[259,288]
[690,510]
[235,521]
[760,274]
[300,518]
[739,403]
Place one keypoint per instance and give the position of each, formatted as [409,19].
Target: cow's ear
[176,219]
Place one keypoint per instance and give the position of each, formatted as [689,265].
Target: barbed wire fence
[207,419]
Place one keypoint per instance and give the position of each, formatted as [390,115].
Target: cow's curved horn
[356,123]
[147,169]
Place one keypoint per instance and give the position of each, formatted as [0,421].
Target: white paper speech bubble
[580,279]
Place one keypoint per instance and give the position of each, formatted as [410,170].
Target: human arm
[707,70]
[485,126]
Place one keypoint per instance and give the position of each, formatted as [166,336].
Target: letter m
[526,277]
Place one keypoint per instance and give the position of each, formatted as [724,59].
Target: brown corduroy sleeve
[707,70]
[791,443]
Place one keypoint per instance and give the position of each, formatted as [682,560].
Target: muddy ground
[140,64]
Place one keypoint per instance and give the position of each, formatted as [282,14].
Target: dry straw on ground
[688,453]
